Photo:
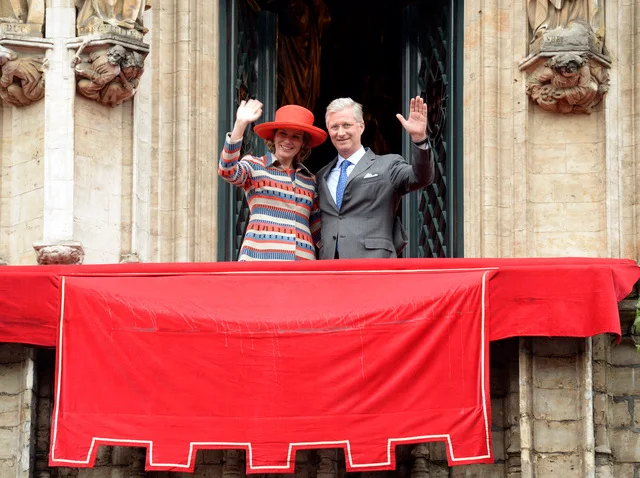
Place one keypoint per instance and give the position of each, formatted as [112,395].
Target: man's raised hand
[416,124]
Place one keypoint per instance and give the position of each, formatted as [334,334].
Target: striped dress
[285,218]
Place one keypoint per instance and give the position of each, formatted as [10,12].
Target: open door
[378,52]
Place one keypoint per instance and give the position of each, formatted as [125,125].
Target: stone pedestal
[61,253]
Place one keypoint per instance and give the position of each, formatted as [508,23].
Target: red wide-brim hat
[292,117]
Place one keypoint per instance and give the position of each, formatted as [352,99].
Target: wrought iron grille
[434,212]
[251,37]
[246,86]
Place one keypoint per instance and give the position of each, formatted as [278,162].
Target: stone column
[601,406]
[623,400]
[233,465]
[57,244]
[18,405]
[556,411]
[184,108]
[622,130]
[328,463]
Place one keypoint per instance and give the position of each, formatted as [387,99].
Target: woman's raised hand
[249,111]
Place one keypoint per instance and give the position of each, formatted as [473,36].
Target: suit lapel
[324,187]
[365,163]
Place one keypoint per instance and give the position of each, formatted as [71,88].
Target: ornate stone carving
[120,17]
[21,79]
[21,17]
[550,19]
[109,74]
[63,253]
[568,83]
[568,62]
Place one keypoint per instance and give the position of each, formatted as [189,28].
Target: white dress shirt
[334,174]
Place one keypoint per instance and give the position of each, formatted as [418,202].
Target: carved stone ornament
[131,258]
[109,71]
[21,77]
[119,17]
[21,18]
[63,253]
[568,83]
[568,62]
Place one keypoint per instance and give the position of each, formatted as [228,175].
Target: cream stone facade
[82,181]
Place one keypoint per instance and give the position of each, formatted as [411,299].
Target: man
[360,191]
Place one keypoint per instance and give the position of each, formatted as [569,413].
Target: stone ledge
[92,42]
[59,253]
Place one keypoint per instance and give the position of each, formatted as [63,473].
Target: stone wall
[540,183]
[17,411]
[22,182]
[99,177]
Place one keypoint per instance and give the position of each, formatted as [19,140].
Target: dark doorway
[362,59]
[378,52]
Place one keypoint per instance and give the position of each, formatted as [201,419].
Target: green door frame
[237,71]
[448,36]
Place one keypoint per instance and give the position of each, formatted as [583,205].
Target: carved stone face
[569,69]
[115,55]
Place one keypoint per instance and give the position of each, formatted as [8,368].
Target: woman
[281,192]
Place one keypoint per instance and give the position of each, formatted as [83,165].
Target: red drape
[572,297]
[274,357]
[187,362]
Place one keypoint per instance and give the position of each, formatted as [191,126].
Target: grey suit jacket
[366,223]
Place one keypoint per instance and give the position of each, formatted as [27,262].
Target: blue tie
[342,182]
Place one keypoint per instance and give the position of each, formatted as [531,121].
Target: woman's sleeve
[231,168]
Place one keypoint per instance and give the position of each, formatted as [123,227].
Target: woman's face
[288,143]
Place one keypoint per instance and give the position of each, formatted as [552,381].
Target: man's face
[345,132]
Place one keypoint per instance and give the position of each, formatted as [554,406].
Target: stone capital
[59,253]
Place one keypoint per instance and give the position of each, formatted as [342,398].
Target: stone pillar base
[59,253]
